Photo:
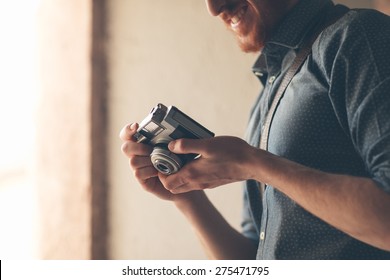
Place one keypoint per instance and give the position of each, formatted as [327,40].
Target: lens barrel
[165,161]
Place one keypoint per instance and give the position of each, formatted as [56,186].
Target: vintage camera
[163,125]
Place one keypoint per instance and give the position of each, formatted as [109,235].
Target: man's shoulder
[359,40]
[359,29]
[358,22]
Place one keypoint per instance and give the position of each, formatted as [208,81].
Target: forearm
[354,205]
[220,240]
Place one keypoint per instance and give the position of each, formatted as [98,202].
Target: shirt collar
[290,33]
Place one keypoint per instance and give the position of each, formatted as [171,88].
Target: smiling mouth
[236,19]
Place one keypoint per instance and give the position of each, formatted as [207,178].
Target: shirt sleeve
[370,129]
[357,65]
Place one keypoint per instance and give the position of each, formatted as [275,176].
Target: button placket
[263,227]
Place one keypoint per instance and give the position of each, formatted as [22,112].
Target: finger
[199,186]
[184,189]
[130,149]
[127,132]
[172,182]
[190,146]
[145,173]
[140,161]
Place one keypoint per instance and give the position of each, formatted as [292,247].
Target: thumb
[189,146]
[127,132]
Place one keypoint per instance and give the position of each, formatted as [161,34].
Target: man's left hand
[222,160]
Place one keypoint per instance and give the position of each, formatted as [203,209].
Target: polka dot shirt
[334,117]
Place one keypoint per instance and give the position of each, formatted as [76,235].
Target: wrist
[257,163]
[189,200]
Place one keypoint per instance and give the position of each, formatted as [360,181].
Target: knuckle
[137,173]
[130,148]
[180,145]
[170,182]
[191,174]
[145,149]
[208,149]
[125,147]
[141,173]
[133,161]
[169,185]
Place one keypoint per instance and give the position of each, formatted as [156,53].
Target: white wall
[170,51]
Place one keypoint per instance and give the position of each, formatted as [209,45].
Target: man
[327,168]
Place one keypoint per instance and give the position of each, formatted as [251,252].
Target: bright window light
[17,104]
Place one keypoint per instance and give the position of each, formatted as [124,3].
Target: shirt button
[259,74]
[262,235]
[271,79]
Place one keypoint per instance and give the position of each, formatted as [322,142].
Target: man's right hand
[204,217]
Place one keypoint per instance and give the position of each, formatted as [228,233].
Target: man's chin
[251,42]
[251,46]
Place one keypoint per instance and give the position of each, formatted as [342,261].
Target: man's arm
[355,205]
[219,239]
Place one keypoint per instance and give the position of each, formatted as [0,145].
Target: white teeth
[236,18]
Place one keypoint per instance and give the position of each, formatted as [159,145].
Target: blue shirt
[334,117]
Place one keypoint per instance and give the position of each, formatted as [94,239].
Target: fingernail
[132,126]
[171,145]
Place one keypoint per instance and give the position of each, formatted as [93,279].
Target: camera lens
[164,167]
[165,161]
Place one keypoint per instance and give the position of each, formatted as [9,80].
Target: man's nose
[215,7]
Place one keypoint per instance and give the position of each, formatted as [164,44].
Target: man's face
[252,21]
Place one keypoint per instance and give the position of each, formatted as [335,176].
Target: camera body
[161,126]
